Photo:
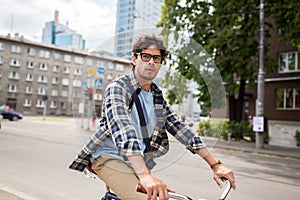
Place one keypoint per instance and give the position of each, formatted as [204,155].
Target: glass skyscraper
[61,35]
[131,16]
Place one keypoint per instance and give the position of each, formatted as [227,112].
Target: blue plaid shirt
[117,123]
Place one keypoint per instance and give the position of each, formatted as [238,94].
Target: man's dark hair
[144,41]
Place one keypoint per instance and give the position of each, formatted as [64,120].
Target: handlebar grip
[227,189]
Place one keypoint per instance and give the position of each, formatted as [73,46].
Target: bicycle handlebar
[177,196]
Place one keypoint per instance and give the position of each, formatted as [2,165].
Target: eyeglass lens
[147,57]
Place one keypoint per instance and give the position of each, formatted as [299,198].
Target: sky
[94,19]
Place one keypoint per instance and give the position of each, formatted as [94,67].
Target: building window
[43,66]
[119,67]
[44,54]
[288,98]
[54,93]
[289,62]
[30,64]
[53,104]
[16,49]
[89,62]
[29,77]
[13,75]
[78,60]
[64,93]
[1,60]
[55,68]
[78,71]
[42,79]
[77,94]
[31,51]
[40,103]
[65,81]
[109,77]
[77,83]
[63,105]
[66,70]
[57,56]
[28,90]
[54,80]
[99,63]
[42,91]
[12,88]
[2,46]
[67,58]
[27,103]
[14,62]
[98,96]
[110,66]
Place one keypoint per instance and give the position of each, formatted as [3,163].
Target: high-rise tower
[61,35]
[133,15]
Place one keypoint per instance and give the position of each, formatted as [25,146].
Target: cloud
[94,20]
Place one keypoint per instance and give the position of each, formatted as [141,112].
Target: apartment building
[39,77]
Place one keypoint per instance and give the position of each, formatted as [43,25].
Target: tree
[177,87]
[287,19]
[228,32]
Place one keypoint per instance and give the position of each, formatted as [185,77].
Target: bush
[204,128]
[221,128]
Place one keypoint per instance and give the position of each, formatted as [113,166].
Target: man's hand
[220,171]
[153,186]
[217,167]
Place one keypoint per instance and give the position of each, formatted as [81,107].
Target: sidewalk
[250,147]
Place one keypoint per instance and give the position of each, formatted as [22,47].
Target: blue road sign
[100,70]
[84,85]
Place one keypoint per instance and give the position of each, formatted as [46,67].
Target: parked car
[11,115]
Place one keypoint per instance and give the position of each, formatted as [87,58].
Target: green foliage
[221,128]
[297,137]
[228,32]
[287,19]
[204,128]
[176,85]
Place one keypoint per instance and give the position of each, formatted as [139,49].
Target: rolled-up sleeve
[119,122]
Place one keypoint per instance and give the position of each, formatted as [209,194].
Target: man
[120,153]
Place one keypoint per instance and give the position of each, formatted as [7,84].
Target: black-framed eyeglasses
[146,57]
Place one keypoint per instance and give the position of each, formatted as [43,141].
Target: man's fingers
[218,181]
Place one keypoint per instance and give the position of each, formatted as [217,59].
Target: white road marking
[19,194]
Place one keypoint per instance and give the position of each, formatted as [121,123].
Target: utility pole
[259,136]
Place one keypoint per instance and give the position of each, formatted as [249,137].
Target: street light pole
[260,79]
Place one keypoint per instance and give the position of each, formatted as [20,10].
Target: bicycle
[178,196]
[172,195]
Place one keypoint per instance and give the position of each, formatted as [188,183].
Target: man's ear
[133,59]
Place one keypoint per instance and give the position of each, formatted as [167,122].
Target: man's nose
[151,61]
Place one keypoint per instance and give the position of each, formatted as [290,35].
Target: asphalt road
[35,153]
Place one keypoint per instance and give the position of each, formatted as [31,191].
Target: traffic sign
[100,70]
